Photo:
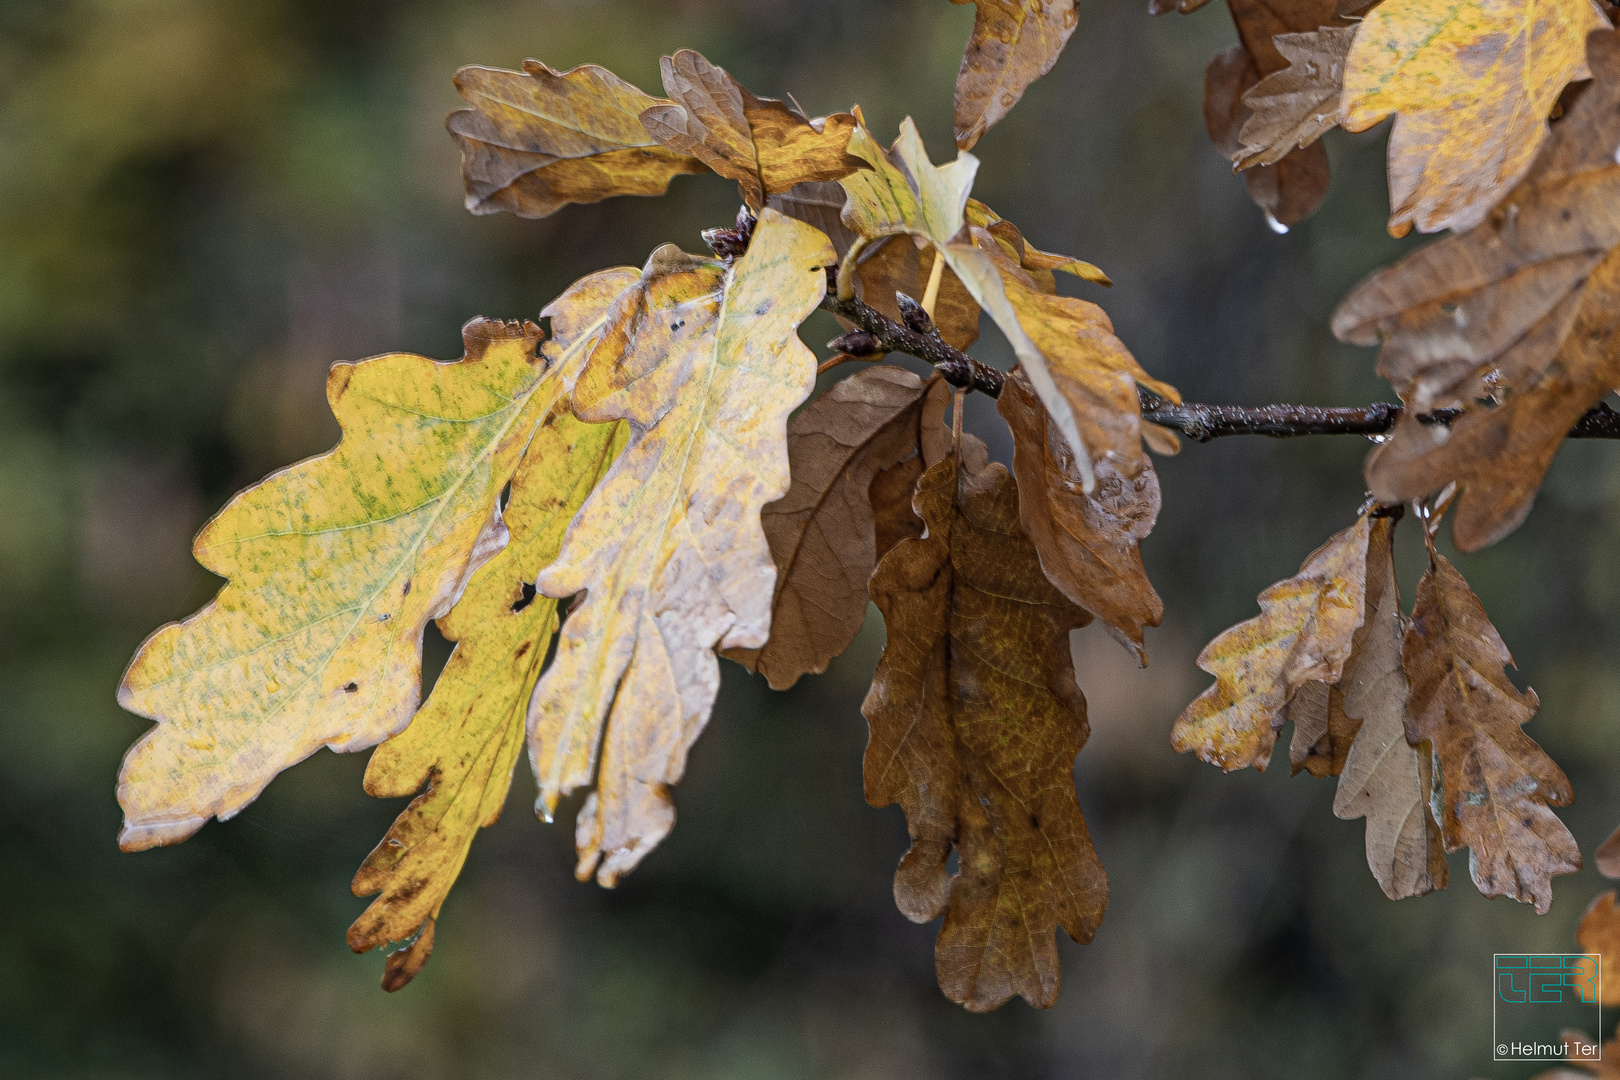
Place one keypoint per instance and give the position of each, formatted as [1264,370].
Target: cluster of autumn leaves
[634,462]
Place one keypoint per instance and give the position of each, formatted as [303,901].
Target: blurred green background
[204,203]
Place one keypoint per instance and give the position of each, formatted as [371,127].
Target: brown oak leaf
[1290,187]
[1322,731]
[1302,634]
[1292,108]
[822,533]
[1514,322]
[763,144]
[1498,785]
[536,140]
[976,720]
[1040,265]
[1087,543]
[1384,778]
[1014,42]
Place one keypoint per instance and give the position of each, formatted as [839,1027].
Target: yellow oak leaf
[465,740]
[1034,261]
[1014,43]
[705,364]
[1473,82]
[335,566]
[1302,634]
[536,140]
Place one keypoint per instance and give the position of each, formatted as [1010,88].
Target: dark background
[204,203]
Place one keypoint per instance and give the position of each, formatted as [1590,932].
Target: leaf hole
[352,688]
[526,599]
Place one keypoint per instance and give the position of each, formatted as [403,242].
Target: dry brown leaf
[1599,933]
[976,721]
[1302,634]
[1514,322]
[1497,784]
[1384,778]
[704,362]
[1292,186]
[761,143]
[1292,108]
[1290,190]
[1087,543]
[536,140]
[1014,42]
[1322,731]
[821,533]
[1472,82]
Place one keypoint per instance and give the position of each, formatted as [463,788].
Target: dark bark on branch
[1199,423]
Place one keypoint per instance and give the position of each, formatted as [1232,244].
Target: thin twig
[1200,423]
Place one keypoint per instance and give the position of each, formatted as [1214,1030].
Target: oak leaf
[705,364]
[1014,42]
[763,144]
[1472,82]
[976,721]
[334,568]
[1037,263]
[1087,544]
[1290,187]
[1513,322]
[465,740]
[822,533]
[1303,633]
[536,140]
[1599,933]
[1323,732]
[1292,108]
[1498,786]
[1383,778]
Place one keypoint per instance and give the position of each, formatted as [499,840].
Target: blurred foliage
[203,203]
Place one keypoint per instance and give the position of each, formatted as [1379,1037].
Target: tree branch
[1200,423]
